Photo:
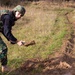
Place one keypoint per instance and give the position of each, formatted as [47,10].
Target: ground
[61,62]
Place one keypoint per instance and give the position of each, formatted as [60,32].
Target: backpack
[1,13]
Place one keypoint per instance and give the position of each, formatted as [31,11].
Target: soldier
[8,20]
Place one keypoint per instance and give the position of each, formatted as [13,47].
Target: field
[52,28]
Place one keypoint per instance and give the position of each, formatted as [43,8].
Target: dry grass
[44,24]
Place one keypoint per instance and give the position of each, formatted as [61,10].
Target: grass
[47,27]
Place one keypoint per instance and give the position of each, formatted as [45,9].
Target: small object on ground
[29,43]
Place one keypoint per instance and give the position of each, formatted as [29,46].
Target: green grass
[47,27]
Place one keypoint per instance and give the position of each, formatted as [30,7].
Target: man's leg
[4,60]
[4,64]
[4,50]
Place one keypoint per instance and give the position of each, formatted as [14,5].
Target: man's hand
[20,43]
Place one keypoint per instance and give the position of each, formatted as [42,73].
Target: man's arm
[7,30]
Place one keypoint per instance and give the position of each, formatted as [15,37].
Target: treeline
[14,2]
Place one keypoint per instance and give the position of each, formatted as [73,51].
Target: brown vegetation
[15,2]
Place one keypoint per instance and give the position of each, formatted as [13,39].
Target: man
[8,20]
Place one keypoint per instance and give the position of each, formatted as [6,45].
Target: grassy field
[47,25]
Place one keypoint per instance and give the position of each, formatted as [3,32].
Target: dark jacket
[8,21]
